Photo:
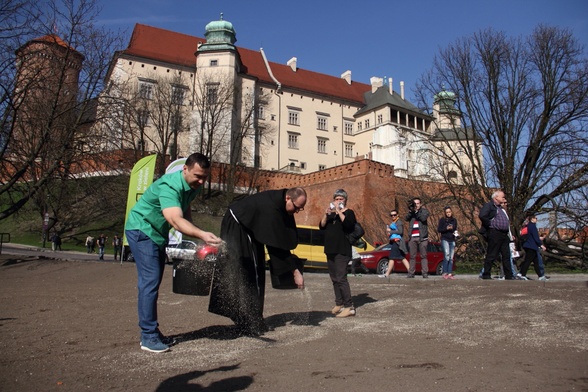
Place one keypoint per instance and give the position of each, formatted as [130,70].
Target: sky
[382,38]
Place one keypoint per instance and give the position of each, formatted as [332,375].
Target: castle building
[235,105]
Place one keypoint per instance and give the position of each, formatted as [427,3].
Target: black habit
[238,285]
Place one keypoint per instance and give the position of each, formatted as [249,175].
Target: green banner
[141,178]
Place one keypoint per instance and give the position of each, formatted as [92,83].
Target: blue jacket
[533,241]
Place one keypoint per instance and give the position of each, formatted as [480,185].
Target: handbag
[356,234]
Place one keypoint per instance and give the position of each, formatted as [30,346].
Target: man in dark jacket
[238,287]
[532,247]
[418,234]
[495,224]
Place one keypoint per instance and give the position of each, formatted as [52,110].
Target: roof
[52,39]
[450,134]
[383,97]
[176,48]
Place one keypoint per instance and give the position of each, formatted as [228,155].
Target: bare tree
[523,106]
[49,100]
[147,114]
[229,127]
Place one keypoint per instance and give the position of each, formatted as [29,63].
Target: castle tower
[45,95]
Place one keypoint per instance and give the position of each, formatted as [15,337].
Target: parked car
[377,259]
[190,250]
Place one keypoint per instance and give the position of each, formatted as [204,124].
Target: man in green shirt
[165,204]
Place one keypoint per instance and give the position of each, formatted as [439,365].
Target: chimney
[292,63]
[376,83]
[347,76]
[402,90]
[390,88]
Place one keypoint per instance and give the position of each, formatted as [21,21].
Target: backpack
[355,236]
[523,235]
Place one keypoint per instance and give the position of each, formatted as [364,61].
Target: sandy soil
[70,325]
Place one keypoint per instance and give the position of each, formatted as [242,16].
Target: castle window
[293,117]
[349,150]
[322,123]
[348,128]
[146,89]
[212,94]
[143,118]
[178,93]
[213,63]
[292,140]
[322,146]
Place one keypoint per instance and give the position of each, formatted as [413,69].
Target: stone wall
[373,191]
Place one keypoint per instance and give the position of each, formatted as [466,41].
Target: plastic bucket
[193,276]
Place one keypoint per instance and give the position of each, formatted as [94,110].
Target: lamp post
[45,226]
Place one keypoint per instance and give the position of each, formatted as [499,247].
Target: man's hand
[210,238]
[298,279]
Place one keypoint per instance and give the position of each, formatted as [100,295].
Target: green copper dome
[445,95]
[220,32]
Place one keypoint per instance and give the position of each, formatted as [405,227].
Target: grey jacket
[421,215]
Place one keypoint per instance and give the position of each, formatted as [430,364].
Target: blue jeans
[150,262]
[448,250]
[540,264]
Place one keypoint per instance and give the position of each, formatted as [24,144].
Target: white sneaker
[544,278]
[382,276]
[521,277]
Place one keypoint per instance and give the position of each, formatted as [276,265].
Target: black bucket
[285,281]
[193,277]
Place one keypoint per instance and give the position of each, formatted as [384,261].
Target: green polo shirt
[171,190]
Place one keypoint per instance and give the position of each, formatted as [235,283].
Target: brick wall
[373,191]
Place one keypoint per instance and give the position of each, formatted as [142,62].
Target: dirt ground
[68,325]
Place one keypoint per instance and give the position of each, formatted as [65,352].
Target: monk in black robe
[238,287]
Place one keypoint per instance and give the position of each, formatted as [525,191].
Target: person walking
[418,230]
[57,241]
[101,242]
[532,247]
[447,227]
[337,221]
[165,204]
[89,243]
[496,228]
[117,246]
[398,250]
[238,287]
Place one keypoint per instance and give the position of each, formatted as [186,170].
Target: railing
[4,237]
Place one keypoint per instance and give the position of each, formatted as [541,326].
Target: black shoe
[486,277]
[425,276]
[410,276]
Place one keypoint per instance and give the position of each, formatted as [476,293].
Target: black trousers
[498,244]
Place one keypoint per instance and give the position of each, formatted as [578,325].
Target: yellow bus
[311,242]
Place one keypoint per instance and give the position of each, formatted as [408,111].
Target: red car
[377,259]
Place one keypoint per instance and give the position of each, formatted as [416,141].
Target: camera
[412,205]
[332,206]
